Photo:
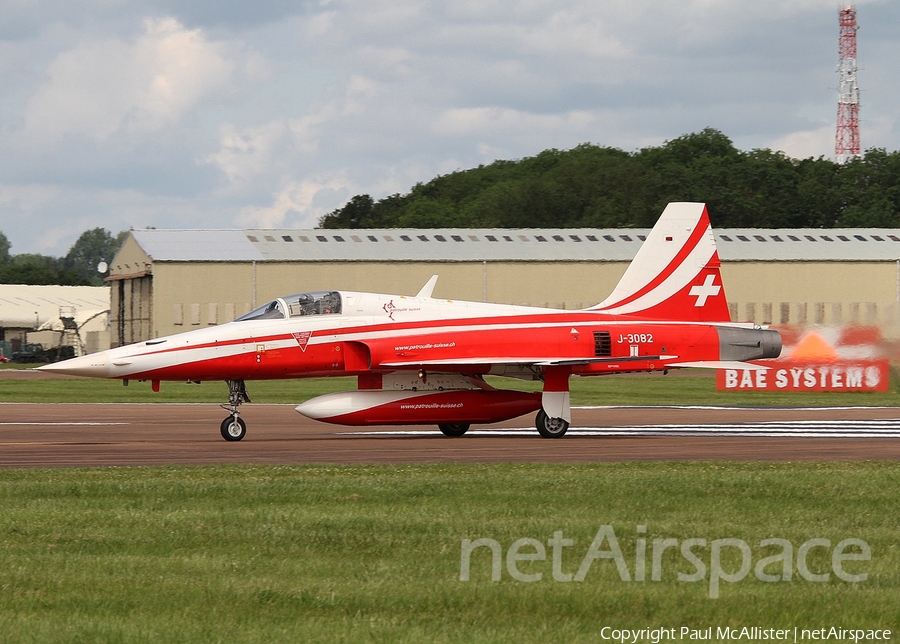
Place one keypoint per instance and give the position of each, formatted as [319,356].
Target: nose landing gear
[234,428]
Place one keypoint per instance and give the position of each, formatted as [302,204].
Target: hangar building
[54,315]
[168,281]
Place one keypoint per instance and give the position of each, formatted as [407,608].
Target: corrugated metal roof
[461,245]
[196,245]
[449,245]
[808,244]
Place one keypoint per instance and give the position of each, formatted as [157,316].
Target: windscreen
[314,303]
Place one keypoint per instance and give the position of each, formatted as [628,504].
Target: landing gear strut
[552,420]
[234,428]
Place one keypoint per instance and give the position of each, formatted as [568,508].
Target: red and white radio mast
[846,139]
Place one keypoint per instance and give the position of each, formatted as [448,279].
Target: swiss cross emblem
[302,338]
[705,290]
[389,309]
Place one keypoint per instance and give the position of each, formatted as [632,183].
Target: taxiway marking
[889,428]
[60,424]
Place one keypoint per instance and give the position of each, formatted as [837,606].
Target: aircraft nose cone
[95,365]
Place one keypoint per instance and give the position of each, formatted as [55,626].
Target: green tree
[92,247]
[595,186]
[354,214]
[4,248]
[428,213]
[29,268]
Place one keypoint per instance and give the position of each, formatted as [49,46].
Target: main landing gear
[550,427]
[234,428]
[547,427]
[552,419]
[453,429]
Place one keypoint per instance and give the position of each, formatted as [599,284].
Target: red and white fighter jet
[421,360]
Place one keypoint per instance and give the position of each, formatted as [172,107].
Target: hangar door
[131,308]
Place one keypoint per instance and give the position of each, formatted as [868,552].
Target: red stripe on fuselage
[527,339]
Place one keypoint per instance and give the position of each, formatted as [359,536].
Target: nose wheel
[234,428]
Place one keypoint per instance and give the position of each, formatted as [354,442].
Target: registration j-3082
[635,338]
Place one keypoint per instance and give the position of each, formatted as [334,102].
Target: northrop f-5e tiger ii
[422,360]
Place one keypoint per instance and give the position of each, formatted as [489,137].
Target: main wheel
[233,428]
[550,427]
[454,429]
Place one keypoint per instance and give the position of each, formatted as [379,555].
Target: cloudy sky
[227,113]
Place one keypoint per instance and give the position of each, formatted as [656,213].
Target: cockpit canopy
[292,306]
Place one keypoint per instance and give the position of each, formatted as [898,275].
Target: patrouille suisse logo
[302,338]
[390,308]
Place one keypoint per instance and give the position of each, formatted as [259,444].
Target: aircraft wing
[562,362]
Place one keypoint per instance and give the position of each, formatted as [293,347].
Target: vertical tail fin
[675,274]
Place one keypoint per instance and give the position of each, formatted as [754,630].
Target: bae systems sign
[823,359]
[855,375]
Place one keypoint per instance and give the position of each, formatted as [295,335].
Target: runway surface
[70,435]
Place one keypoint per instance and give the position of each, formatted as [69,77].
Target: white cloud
[300,202]
[27,198]
[279,147]
[32,203]
[492,120]
[245,155]
[392,61]
[132,117]
[560,34]
[138,87]
[387,16]
[808,143]
[876,130]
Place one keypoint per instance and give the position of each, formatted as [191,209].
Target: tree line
[77,268]
[588,186]
[591,186]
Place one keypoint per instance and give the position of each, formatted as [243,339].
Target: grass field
[373,553]
[694,387]
[289,554]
